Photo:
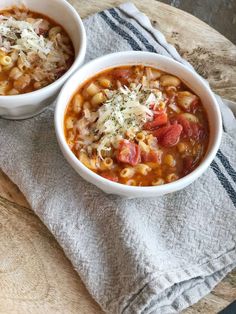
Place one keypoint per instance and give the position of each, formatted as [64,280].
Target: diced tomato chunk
[128,152]
[158,120]
[187,130]
[122,74]
[151,156]
[168,136]
[160,132]
[190,129]
[110,176]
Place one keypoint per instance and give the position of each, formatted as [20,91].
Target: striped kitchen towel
[157,255]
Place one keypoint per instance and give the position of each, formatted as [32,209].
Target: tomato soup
[34,51]
[137,125]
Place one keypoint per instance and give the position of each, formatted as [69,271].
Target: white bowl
[190,78]
[27,105]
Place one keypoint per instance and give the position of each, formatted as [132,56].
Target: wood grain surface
[35,275]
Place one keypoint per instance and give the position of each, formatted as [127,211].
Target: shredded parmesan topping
[22,36]
[45,57]
[125,110]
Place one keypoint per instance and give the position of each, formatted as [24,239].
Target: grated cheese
[126,109]
[22,36]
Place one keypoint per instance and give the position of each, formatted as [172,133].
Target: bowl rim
[79,57]
[162,189]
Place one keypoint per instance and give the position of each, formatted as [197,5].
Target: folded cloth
[155,255]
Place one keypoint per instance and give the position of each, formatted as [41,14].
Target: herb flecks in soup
[137,125]
[34,51]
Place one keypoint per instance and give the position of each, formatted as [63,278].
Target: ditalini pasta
[34,51]
[137,125]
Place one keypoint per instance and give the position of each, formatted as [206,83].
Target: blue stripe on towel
[225,162]
[224,182]
[133,29]
[120,32]
[138,34]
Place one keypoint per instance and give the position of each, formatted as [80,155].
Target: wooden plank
[36,277]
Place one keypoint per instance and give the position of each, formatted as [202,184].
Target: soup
[34,51]
[137,125]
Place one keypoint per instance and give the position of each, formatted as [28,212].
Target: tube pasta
[104,82]
[37,85]
[71,139]
[190,117]
[171,89]
[77,103]
[169,160]
[182,147]
[93,163]
[140,136]
[172,177]
[22,82]
[131,182]
[144,81]
[5,60]
[169,80]
[158,181]
[144,147]
[83,157]
[92,89]
[127,172]
[152,74]
[155,84]
[15,73]
[185,99]
[54,31]
[3,87]
[21,65]
[13,91]
[70,122]
[107,163]
[6,68]
[97,99]
[143,169]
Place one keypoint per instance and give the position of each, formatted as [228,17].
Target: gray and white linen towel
[155,255]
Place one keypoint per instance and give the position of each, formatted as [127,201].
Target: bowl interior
[59,10]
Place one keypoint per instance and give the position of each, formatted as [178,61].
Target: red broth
[137,125]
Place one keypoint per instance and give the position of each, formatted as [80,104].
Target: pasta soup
[137,125]
[34,51]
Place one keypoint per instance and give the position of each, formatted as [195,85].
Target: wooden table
[35,275]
